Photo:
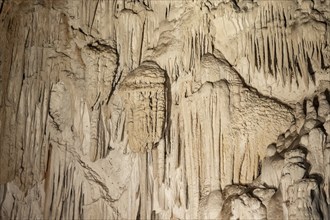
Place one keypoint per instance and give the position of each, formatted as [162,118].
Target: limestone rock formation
[147,109]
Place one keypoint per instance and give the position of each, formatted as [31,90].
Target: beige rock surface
[147,109]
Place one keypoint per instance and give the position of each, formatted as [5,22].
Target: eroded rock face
[152,109]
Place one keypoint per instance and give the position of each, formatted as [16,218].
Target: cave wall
[147,109]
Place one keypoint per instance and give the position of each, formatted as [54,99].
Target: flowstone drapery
[148,109]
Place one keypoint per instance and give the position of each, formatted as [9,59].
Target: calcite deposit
[164,109]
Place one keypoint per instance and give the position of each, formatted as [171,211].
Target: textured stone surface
[147,109]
